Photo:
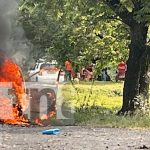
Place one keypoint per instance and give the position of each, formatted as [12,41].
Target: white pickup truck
[46,72]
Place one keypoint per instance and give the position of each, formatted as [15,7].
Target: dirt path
[73,138]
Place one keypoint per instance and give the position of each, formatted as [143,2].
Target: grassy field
[101,94]
[97,105]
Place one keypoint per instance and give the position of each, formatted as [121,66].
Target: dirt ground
[73,138]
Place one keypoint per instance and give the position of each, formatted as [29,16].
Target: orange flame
[11,77]
[11,73]
[40,120]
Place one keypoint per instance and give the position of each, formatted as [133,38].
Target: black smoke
[12,37]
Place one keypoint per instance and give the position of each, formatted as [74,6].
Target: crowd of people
[83,73]
[86,73]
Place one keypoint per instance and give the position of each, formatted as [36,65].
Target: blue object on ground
[51,131]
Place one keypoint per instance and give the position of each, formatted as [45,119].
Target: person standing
[68,68]
[89,70]
[121,69]
[103,75]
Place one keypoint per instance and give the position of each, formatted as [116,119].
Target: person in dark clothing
[107,76]
[104,76]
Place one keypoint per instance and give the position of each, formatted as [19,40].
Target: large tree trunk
[143,102]
[136,86]
[136,81]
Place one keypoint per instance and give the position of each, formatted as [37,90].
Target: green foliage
[107,118]
[99,109]
[73,28]
[102,94]
[38,25]
[143,15]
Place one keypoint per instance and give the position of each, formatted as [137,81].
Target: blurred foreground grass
[97,105]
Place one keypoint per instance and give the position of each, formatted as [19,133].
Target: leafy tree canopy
[84,30]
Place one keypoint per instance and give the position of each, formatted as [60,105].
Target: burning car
[18,101]
[11,109]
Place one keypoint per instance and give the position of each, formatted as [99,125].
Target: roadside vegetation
[101,32]
[97,104]
[90,31]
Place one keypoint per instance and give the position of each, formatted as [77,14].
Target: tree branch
[121,11]
[137,4]
[111,17]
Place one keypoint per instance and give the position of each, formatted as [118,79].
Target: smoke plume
[12,37]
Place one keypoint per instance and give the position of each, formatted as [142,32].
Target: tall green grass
[103,94]
[97,104]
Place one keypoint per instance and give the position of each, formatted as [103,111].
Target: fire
[11,73]
[49,115]
[40,120]
[13,106]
